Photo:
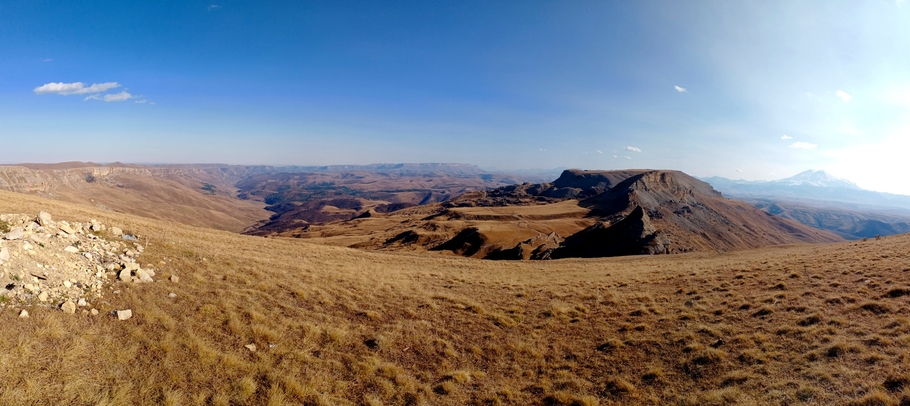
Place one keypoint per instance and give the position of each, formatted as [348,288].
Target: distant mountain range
[820,200]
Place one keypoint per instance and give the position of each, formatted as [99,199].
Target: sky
[754,90]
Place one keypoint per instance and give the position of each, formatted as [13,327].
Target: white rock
[44,218]
[71,249]
[251,347]
[144,276]
[15,234]
[67,284]
[23,314]
[65,227]
[42,296]
[94,312]
[124,314]
[125,275]
[4,254]
[172,295]
[175,278]
[68,307]
[116,231]
[82,302]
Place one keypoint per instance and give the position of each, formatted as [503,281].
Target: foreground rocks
[60,263]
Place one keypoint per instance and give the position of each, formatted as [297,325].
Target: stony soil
[63,264]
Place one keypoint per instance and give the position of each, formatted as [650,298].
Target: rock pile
[63,264]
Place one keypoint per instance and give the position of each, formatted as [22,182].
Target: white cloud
[599,151]
[74,88]
[802,145]
[627,157]
[539,149]
[680,89]
[843,96]
[632,149]
[739,170]
[143,101]
[116,97]
[615,156]
[899,3]
[213,6]
[48,60]
[786,137]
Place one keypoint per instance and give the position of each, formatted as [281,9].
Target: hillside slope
[809,324]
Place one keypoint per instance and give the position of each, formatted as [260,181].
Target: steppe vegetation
[801,324]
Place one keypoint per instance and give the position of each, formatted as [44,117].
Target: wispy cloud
[680,89]
[74,88]
[213,7]
[739,170]
[116,97]
[48,60]
[627,157]
[844,96]
[802,145]
[786,137]
[599,151]
[632,149]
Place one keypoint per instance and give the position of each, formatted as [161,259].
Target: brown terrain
[581,214]
[284,322]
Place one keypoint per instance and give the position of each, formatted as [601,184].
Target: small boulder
[68,307]
[116,231]
[4,255]
[82,302]
[23,314]
[45,219]
[15,234]
[144,276]
[94,312]
[124,314]
[251,347]
[63,226]
[125,275]
[42,296]
[71,249]
[175,278]
[172,295]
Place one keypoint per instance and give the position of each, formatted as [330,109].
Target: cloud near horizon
[116,97]
[786,137]
[680,89]
[66,89]
[844,96]
[803,145]
[632,149]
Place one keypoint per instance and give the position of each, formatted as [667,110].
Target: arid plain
[795,324]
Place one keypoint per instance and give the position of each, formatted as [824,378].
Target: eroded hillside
[581,214]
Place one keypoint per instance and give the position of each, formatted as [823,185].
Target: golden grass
[339,326]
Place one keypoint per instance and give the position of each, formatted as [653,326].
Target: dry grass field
[803,324]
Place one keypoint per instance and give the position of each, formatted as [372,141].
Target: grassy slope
[814,324]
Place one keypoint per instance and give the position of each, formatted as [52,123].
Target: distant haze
[744,90]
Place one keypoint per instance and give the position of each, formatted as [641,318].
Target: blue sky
[742,89]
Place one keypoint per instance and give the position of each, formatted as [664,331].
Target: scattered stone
[143,276]
[42,296]
[94,312]
[116,231]
[65,227]
[125,275]
[172,295]
[251,347]
[4,255]
[67,284]
[71,249]
[124,314]
[15,234]
[23,314]
[81,302]
[68,307]
[44,218]
[175,278]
